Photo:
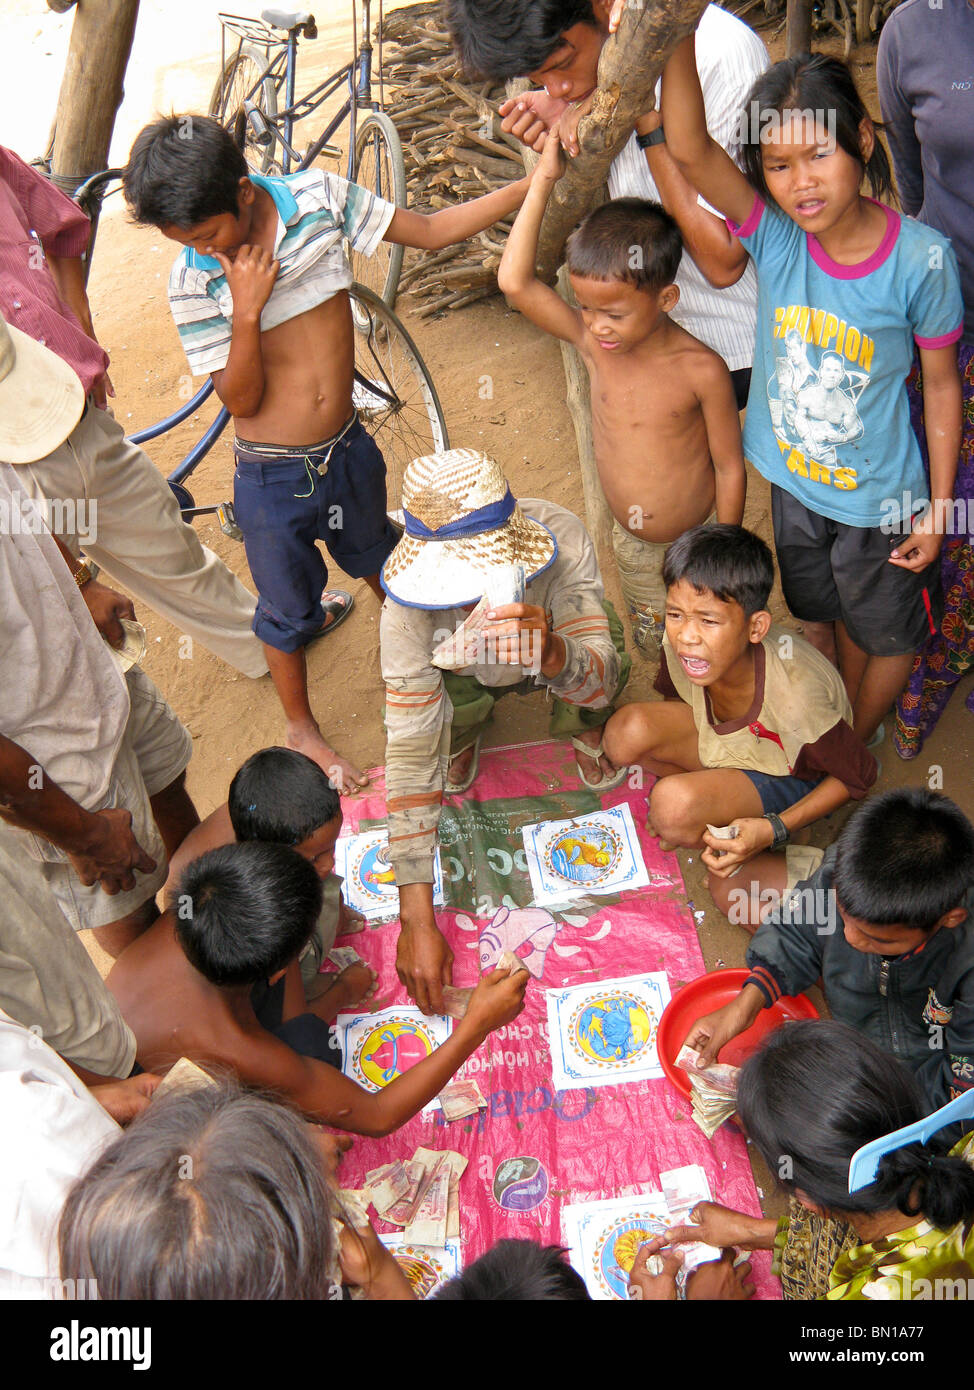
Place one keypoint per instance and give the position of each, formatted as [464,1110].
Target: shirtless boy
[259,296]
[664,419]
[241,917]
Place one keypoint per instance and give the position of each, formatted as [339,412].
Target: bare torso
[174,1012]
[308,363]
[649,434]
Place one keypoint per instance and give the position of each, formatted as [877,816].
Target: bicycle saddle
[288,19]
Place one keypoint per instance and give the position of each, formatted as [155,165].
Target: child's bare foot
[344,776]
[351,987]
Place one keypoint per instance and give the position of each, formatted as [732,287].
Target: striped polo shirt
[730,57]
[316,213]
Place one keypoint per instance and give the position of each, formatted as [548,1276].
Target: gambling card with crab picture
[369,879]
[597,853]
[603,1032]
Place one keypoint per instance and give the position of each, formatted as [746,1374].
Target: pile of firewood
[454,150]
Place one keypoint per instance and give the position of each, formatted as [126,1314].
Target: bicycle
[392,391]
[245,101]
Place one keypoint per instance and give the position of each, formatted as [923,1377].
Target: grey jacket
[919,1006]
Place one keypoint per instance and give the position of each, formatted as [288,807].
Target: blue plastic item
[865,1161]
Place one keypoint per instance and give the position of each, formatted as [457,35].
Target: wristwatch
[83,574]
[655,137]
[779,830]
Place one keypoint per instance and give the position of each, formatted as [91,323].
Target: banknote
[387,1185]
[183,1073]
[461,1098]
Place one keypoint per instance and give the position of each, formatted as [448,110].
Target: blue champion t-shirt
[827,415]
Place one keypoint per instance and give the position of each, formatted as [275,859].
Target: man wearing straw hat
[463,526]
[92,761]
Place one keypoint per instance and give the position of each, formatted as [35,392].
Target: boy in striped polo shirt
[259,296]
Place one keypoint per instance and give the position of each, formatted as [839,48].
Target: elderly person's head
[213,1193]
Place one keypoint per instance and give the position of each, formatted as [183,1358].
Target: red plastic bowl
[703,996]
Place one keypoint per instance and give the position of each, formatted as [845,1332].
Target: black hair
[816,1092]
[212,1193]
[629,239]
[520,1271]
[811,84]
[731,562]
[509,38]
[904,859]
[183,170]
[281,796]
[243,912]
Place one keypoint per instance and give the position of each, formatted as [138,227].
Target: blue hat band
[476,523]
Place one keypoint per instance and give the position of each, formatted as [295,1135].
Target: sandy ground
[525,426]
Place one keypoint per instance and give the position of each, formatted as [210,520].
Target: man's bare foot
[344,776]
[350,988]
[460,766]
[593,768]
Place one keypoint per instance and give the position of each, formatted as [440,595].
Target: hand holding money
[497,1000]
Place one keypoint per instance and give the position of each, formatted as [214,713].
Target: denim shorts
[284,505]
[778,793]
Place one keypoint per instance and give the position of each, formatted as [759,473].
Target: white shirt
[730,57]
[51,1130]
[62,697]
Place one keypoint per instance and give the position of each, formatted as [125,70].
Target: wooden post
[91,88]
[631,61]
[578,398]
[798,30]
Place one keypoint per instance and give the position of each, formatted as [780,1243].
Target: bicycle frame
[281,69]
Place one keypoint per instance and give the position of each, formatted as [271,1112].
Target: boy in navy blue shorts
[754,730]
[259,296]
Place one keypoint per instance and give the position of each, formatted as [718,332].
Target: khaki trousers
[135,532]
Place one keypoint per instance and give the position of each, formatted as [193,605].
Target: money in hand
[461,1098]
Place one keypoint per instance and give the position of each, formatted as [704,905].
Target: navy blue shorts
[778,793]
[283,505]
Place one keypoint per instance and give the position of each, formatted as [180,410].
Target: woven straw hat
[41,398]
[461,521]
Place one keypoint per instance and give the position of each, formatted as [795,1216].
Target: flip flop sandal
[338,611]
[456,788]
[608,780]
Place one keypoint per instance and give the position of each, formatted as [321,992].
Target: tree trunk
[631,61]
[798,33]
[863,12]
[91,88]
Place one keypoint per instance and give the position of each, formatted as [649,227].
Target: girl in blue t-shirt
[845,287]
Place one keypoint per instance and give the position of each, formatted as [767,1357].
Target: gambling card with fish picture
[594,854]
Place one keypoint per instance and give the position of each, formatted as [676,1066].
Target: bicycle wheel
[393,392]
[238,82]
[379,167]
